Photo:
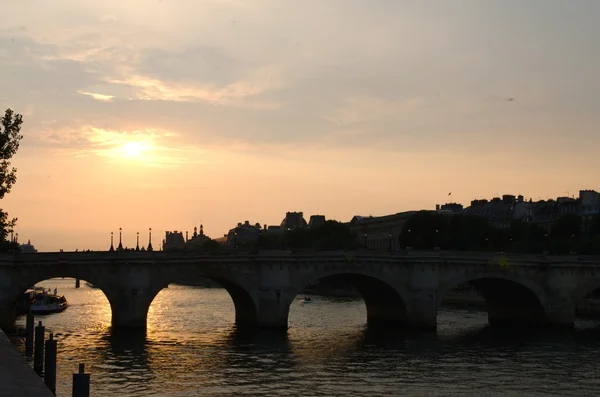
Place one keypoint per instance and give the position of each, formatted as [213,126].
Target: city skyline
[172,115]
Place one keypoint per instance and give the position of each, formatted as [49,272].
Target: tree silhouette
[10,128]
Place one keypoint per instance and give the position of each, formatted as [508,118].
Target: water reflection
[194,349]
[243,338]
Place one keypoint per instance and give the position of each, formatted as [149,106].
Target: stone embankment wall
[16,376]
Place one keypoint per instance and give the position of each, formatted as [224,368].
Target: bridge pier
[273,309]
[560,309]
[422,310]
[130,306]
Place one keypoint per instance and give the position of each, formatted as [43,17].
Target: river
[192,348]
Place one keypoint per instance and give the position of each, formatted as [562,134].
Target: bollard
[38,351]
[29,334]
[81,383]
[50,364]
[77,283]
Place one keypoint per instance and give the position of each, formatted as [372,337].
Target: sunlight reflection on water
[191,348]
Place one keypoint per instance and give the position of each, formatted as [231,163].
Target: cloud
[153,89]
[365,109]
[157,148]
[98,97]
[363,69]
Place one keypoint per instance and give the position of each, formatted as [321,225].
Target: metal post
[29,326]
[50,364]
[38,351]
[81,383]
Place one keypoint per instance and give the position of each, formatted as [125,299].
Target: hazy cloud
[98,97]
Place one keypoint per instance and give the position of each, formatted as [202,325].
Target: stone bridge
[400,288]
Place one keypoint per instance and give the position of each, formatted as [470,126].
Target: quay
[16,376]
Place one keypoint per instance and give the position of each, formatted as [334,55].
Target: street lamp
[120,247]
[112,248]
[390,241]
[366,241]
[149,239]
[137,244]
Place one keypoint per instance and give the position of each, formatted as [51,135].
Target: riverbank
[16,376]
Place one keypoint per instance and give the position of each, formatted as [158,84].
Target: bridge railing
[465,256]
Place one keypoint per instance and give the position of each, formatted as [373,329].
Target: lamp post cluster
[137,245]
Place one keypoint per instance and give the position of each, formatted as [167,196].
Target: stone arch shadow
[246,309]
[510,300]
[24,280]
[582,294]
[588,290]
[386,304]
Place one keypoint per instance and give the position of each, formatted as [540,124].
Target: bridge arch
[246,310]
[587,298]
[386,303]
[509,299]
[24,279]
[583,293]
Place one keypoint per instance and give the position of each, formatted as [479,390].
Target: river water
[191,348]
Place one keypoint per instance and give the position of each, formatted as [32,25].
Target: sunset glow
[132,149]
[219,112]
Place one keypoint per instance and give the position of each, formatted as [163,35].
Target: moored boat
[46,303]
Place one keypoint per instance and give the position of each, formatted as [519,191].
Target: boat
[47,303]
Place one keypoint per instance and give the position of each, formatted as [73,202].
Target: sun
[132,149]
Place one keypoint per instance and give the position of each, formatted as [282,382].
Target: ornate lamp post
[137,244]
[150,239]
[112,248]
[120,247]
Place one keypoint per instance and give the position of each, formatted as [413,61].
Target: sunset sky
[169,113]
